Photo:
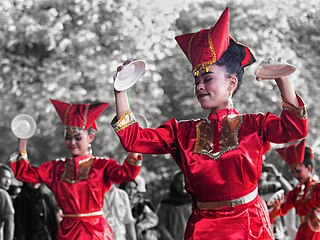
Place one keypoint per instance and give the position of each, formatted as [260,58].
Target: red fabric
[82,116]
[234,174]
[198,49]
[303,200]
[293,154]
[84,196]
[248,221]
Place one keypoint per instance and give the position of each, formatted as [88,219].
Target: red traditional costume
[221,155]
[305,197]
[79,183]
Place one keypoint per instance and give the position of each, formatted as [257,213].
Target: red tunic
[79,185]
[221,158]
[303,198]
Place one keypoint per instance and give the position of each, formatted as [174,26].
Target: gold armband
[300,112]
[23,155]
[126,119]
[134,161]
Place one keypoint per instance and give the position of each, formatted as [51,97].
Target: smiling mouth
[202,95]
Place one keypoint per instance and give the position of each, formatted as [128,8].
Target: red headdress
[295,153]
[79,116]
[205,47]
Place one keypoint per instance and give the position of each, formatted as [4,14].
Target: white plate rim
[30,120]
[272,198]
[138,74]
[259,72]
[142,120]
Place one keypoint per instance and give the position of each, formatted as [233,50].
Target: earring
[89,148]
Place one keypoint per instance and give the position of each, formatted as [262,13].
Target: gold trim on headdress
[85,117]
[205,65]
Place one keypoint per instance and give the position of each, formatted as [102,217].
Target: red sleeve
[25,172]
[133,138]
[288,204]
[122,173]
[292,124]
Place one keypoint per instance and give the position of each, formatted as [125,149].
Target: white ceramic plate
[129,75]
[277,195]
[23,126]
[143,122]
[270,69]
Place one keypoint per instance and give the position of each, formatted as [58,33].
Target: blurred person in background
[14,190]
[174,210]
[80,181]
[6,207]
[117,211]
[221,155]
[305,197]
[271,181]
[35,214]
[143,211]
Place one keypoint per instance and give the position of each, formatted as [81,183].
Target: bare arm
[23,145]
[287,91]
[122,103]
[8,229]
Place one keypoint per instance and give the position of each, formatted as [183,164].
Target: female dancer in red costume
[221,155]
[305,197]
[80,181]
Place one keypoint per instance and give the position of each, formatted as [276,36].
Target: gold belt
[80,215]
[228,203]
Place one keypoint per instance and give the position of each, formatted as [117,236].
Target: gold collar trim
[227,141]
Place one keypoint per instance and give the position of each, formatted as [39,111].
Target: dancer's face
[302,173]
[77,142]
[214,88]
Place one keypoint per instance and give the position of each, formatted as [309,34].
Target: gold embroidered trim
[203,65]
[134,161]
[81,215]
[85,116]
[300,112]
[83,170]
[14,157]
[66,114]
[311,191]
[228,203]
[125,120]
[189,46]
[23,155]
[228,139]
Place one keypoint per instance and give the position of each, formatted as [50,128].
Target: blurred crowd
[29,211]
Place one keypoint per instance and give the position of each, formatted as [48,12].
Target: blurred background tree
[69,50]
